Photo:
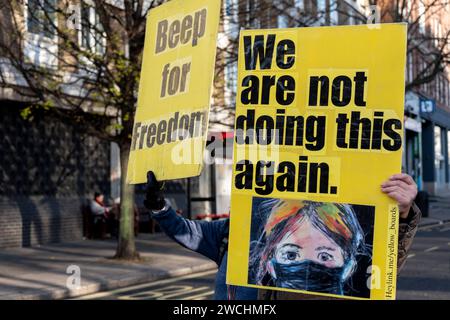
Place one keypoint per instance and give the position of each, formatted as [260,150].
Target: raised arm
[403,189]
[200,236]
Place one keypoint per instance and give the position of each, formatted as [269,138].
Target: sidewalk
[40,272]
[439,211]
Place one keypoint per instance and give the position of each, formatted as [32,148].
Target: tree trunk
[126,247]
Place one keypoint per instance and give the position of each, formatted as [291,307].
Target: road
[427,271]
[425,276]
[198,286]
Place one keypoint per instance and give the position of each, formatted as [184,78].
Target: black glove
[154,195]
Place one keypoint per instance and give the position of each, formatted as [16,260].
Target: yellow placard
[171,120]
[319,128]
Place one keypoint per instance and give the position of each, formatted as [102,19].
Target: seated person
[98,208]
[100,213]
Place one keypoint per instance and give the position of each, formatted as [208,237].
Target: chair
[87,221]
[92,230]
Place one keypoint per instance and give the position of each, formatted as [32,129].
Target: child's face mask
[308,275]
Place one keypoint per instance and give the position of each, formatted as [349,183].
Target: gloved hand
[154,195]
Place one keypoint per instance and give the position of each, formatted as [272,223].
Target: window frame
[38,48]
[93,43]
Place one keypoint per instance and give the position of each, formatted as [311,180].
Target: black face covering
[310,276]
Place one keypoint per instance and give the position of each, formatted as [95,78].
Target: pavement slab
[42,272]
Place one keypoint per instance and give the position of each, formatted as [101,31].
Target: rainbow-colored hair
[337,221]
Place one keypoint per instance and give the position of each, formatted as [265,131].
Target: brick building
[47,168]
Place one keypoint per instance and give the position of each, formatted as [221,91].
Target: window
[410,67]
[437,142]
[436,32]
[448,144]
[322,11]
[231,81]
[92,35]
[282,21]
[252,14]
[406,10]
[230,8]
[444,89]
[299,4]
[439,153]
[439,33]
[41,17]
[443,96]
[351,17]
[421,13]
[423,70]
[344,13]
[334,12]
[231,21]
[437,88]
[447,92]
[40,45]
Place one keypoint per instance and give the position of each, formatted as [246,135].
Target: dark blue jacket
[204,237]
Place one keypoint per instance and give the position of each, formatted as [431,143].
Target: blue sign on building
[427,105]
